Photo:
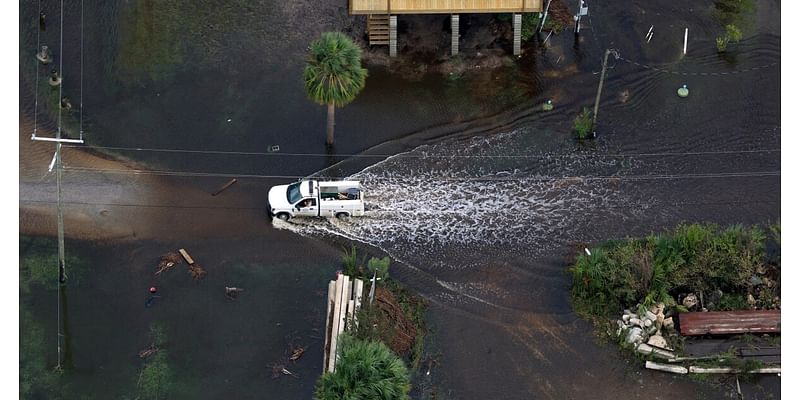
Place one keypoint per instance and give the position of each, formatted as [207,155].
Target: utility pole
[600,89]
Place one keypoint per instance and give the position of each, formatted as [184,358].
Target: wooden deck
[730,322]
[444,6]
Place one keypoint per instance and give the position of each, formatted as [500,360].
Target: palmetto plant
[333,75]
[364,370]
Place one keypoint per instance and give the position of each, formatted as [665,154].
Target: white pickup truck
[339,199]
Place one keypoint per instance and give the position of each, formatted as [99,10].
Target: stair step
[378,42]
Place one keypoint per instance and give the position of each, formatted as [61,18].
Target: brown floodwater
[480,209]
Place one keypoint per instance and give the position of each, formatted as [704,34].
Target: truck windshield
[293,193]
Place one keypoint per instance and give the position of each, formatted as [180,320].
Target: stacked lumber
[344,300]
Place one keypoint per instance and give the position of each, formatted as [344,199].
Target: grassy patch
[39,264]
[37,379]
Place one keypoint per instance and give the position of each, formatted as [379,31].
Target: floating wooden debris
[297,353]
[186,256]
[233,292]
[198,273]
[225,187]
[148,352]
[168,261]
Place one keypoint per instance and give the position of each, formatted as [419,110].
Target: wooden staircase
[378,29]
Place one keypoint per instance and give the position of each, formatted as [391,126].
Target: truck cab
[310,198]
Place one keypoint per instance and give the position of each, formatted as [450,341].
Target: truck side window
[308,203]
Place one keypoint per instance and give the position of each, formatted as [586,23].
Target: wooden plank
[337,309]
[328,325]
[345,298]
[186,256]
[763,351]
[730,322]
[225,186]
[665,367]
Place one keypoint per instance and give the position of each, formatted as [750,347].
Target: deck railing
[443,6]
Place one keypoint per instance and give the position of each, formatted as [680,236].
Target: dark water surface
[486,199]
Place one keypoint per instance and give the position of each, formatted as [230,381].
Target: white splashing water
[448,207]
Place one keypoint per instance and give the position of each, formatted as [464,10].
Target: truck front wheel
[283,216]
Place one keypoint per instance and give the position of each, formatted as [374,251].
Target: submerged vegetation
[583,123]
[693,258]
[732,35]
[156,377]
[733,16]
[365,370]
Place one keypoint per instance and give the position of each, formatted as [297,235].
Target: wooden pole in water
[600,88]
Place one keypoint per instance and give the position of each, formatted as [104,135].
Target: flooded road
[478,195]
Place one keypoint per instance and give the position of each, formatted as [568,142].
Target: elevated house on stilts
[382,16]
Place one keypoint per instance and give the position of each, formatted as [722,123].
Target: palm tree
[364,370]
[333,75]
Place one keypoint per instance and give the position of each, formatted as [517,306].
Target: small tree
[333,75]
[364,370]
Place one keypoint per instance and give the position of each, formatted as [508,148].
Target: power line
[408,155]
[36,72]
[191,207]
[81,106]
[443,178]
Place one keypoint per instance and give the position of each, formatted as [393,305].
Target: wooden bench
[730,322]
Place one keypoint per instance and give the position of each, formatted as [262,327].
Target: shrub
[364,370]
[697,258]
[583,123]
[379,266]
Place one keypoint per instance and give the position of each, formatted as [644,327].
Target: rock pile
[643,330]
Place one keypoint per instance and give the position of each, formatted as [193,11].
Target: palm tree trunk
[331,109]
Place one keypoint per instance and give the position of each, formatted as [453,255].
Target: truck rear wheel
[342,215]
[283,216]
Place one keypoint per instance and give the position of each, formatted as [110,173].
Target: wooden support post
[392,36]
[517,21]
[455,34]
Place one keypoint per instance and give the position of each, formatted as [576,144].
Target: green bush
[692,258]
[364,370]
[379,266]
[732,35]
[583,123]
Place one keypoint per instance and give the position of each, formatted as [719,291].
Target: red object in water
[153,289]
